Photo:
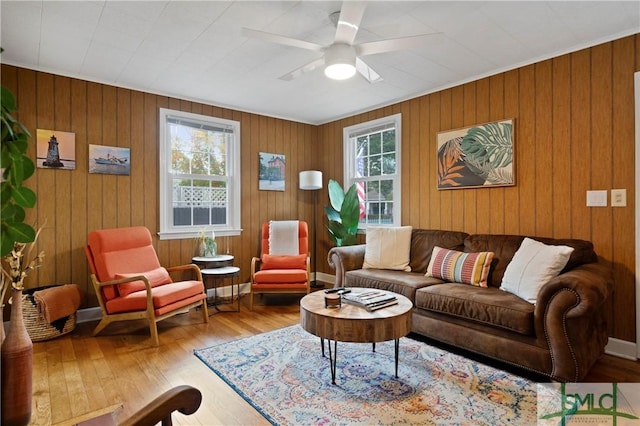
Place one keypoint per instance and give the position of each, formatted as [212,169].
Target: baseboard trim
[621,348]
[88,314]
[325,278]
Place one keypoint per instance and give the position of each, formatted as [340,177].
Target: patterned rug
[284,376]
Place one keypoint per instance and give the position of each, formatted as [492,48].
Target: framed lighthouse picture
[55,149]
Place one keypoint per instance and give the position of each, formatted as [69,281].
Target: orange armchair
[281,273]
[130,284]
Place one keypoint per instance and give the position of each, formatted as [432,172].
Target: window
[372,162]
[199,175]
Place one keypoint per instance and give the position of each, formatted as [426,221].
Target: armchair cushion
[156,277]
[271,261]
[165,298]
[281,276]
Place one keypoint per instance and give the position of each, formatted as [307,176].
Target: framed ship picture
[110,160]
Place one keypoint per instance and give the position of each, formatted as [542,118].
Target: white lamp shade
[310,180]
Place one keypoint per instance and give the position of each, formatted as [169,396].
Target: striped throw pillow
[460,267]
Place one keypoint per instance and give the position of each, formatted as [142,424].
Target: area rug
[284,376]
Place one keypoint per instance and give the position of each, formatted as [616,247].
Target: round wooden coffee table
[351,323]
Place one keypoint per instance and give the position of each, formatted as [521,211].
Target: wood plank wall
[574,131]
[74,202]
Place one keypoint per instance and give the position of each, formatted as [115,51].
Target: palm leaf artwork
[487,149]
[449,156]
[476,156]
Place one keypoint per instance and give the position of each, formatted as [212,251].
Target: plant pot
[17,368]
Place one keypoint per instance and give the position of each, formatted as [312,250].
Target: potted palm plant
[343,214]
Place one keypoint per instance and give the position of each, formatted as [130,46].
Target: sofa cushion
[505,246]
[489,306]
[388,248]
[532,266]
[457,266]
[424,240]
[405,283]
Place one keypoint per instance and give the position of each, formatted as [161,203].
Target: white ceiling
[194,50]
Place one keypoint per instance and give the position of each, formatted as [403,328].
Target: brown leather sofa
[561,336]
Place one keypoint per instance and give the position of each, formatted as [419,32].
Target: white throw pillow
[532,266]
[388,248]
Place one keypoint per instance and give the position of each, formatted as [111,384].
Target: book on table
[370,300]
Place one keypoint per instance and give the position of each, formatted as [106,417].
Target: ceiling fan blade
[367,72]
[401,43]
[303,69]
[276,38]
[349,21]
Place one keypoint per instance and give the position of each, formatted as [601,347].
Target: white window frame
[349,134]
[167,230]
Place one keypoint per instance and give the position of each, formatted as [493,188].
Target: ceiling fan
[342,58]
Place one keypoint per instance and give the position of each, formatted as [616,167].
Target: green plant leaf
[6,244]
[24,196]
[349,240]
[28,167]
[20,232]
[331,213]
[336,194]
[19,214]
[8,211]
[8,100]
[350,213]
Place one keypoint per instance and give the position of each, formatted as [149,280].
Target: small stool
[220,274]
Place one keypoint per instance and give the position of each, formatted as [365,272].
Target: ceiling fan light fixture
[340,71]
[340,62]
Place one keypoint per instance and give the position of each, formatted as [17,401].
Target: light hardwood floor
[78,374]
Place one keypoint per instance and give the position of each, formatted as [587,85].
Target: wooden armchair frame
[185,399]
[149,312]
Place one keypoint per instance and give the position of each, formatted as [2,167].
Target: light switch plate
[618,198]
[597,198]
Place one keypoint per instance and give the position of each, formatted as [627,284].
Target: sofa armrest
[569,314]
[343,259]
[592,283]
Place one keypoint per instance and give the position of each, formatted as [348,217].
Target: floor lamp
[311,180]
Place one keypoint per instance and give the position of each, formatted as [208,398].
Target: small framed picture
[55,149]
[110,160]
[271,172]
